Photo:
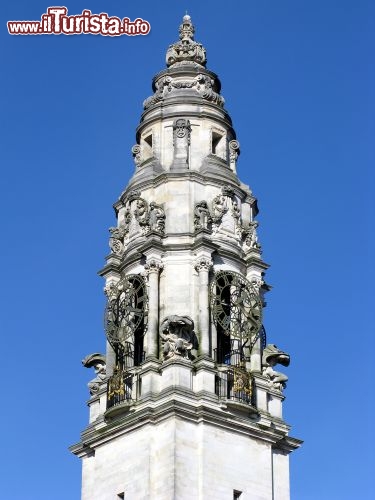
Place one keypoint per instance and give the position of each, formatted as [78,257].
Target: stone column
[256,352]
[202,266]
[153,268]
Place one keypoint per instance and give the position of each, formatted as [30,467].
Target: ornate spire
[186,49]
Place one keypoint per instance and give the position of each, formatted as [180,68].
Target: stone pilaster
[153,268]
[203,266]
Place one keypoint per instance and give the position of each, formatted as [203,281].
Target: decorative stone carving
[150,218]
[224,215]
[222,205]
[116,241]
[219,208]
[141,214]
[203,84]
[227,191]
[139,217]
[132,195]
[251,237]
[202,216]
[203,263]
[157,218]
[257,283]
[236,210]
[178,337]
[179,84]
[181,141]
[272,356]
[160,86]
[97,361]
[153,266]
[186,49]
[205,88]
[234,152]
[136,151]
[181,129]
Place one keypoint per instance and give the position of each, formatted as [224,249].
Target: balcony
[124,385]
[234,384]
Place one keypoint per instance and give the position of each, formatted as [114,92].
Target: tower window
[148,140]
[147,144]
[218,144]
[236,494]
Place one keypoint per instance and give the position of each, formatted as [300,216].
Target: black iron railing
[121,388]
[234,384]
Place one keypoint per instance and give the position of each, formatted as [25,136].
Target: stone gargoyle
[272,356]
[178,337]
[96,361]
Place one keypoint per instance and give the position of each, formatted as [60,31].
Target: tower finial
[186,49]
[186,29]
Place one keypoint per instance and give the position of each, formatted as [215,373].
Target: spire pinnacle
[186,49]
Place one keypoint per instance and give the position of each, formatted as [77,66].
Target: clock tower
[186,402]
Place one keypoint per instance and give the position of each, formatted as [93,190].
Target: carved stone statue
[251,237]
[141,212]
[178,337]
[202,216]
[97,361]
[219,208]
[272,356]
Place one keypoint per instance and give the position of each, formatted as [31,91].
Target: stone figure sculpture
[97,361]
[272,356]
[251,237]
[218,208]
[141,212]
[202,216]
[178,336]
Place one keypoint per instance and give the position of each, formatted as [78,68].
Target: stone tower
[186,403]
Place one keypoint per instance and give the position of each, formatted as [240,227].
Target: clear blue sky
[298,79]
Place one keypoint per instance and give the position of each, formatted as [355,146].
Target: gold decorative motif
[242,382]
[116,386]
